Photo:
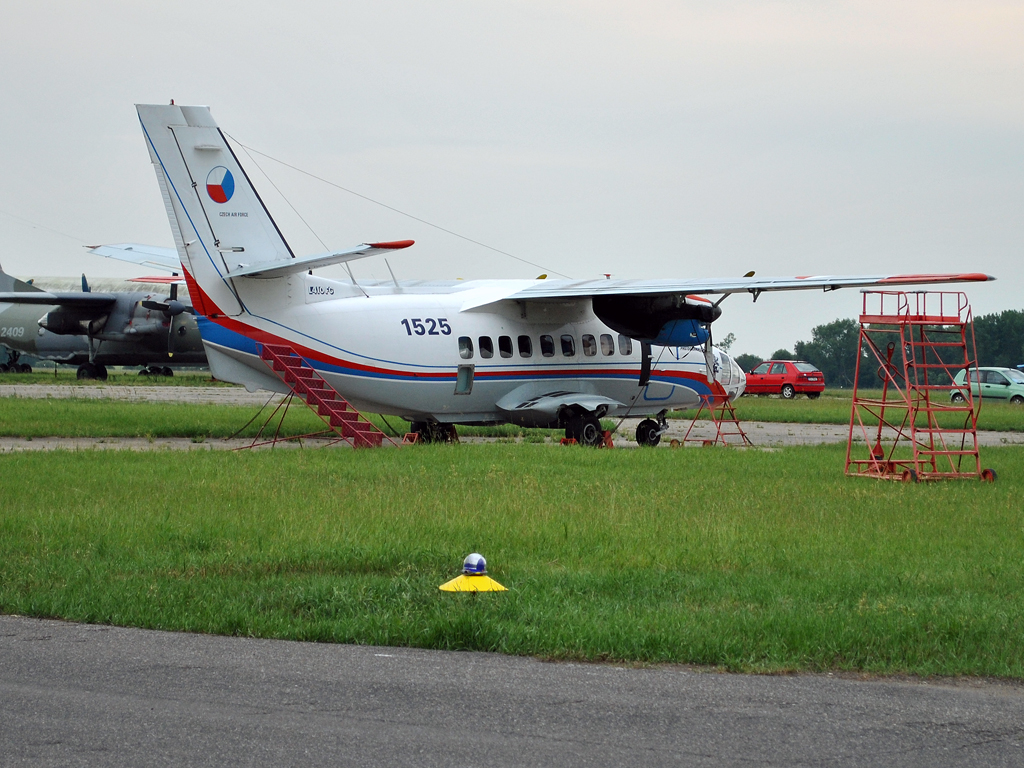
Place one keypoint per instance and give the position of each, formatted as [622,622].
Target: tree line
[998,340]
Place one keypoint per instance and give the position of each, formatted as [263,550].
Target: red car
[787,378]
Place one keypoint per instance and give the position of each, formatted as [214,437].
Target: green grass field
[745,560]
[833,407]
[23,417]
[43,373]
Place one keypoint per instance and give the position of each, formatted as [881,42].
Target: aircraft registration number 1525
[416,326]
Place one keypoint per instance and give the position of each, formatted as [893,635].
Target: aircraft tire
[165,371]
[648,433]
[24,368]
[429,432]
[101,372]
[4,367]
[86,371]
[585,428]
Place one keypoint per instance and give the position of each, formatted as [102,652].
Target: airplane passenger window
[568,345]
[525,346]
[625,345]
[589,345]
[465,347]
[486,347]
[607,344]
[547,346]
[505,346]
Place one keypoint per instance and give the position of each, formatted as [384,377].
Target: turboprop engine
[666,320]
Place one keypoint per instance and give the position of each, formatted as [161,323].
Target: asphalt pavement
[73,694]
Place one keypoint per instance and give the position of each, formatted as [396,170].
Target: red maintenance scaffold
[915,430]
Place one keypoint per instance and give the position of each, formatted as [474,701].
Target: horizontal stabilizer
[147,255]
[269,269]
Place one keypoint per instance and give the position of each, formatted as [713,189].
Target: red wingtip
[393,245]
[961,277]
[168,279]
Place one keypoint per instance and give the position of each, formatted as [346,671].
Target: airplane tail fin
[9,283]
[219,222]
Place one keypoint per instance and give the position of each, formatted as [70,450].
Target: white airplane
[540,353]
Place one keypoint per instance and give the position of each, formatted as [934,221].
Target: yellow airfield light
[466,583]
[473,578]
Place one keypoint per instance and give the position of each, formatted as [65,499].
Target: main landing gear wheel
[788,393]
[92,371]
[432,432]
[585,429]
[648,433]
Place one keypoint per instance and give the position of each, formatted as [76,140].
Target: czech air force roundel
[220,184]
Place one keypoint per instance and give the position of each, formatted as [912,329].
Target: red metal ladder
[336,412]
[723,415]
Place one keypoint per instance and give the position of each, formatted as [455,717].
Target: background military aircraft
[122,323]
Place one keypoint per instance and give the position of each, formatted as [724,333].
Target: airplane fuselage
[484,365]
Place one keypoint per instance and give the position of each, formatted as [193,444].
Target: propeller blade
[172,307]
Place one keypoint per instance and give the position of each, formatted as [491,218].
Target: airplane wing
[147,255]
[77,299]
[678,312]
[571,289]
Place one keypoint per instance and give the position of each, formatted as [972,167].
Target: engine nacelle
[72,321]
[670,321]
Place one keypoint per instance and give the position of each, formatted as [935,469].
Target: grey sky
[642,139]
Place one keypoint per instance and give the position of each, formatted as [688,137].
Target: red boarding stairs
[719,406]
[342,420]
